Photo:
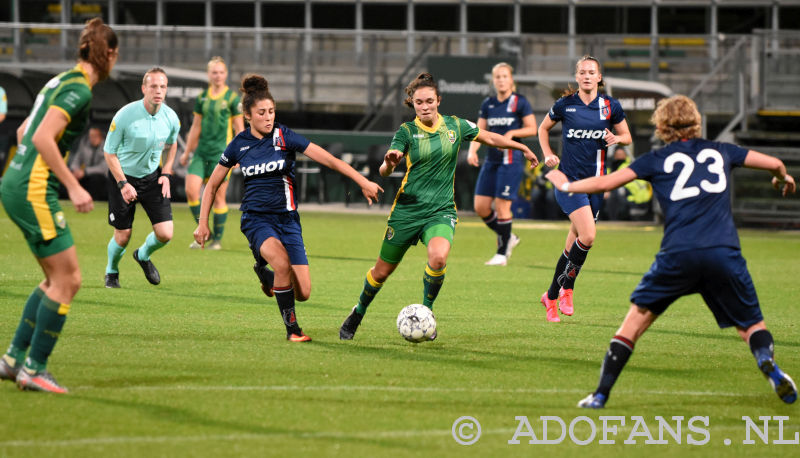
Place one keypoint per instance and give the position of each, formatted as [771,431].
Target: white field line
[118,440]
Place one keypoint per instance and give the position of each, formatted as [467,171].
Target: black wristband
[168,175]
[121,184]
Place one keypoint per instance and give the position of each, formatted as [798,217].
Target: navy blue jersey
[691,179]
[500,118]
[267,165]
[584,150]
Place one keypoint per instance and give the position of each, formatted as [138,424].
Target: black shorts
[120,214]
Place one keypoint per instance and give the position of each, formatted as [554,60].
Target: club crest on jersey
[605,108]
[389,233]
[223,105]
[277,139]
[451,137]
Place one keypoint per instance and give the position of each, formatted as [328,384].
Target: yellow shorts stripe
[37,196]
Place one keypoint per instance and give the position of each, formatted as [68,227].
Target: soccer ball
[416,323]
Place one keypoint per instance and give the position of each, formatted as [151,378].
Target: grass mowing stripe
[417,389]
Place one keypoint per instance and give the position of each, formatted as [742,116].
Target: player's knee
[587,239]
[437,261]
[302,293]
[72,282]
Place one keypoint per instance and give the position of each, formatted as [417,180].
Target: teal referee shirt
[138,138]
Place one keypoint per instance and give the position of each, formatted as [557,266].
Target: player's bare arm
[322,156]
[781,180]
[499,141]
[550,158]
[472,155]
[203,232]
[390,161]
[593,184]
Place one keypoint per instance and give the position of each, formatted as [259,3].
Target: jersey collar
[85,75]
[221,93]
[427,129]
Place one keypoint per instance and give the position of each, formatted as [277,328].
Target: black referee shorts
[157,207]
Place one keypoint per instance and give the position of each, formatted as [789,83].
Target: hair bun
[254,83]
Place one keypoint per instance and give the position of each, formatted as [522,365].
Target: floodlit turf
[199,365]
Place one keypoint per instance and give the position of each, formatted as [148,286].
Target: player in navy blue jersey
[508,114]
[587,117]
[266,153]
[700,250]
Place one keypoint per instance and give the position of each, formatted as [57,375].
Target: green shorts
[203,167]
[42,222]
[401,234]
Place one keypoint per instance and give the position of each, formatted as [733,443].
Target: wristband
[168,175]
[121,184]
[565,187]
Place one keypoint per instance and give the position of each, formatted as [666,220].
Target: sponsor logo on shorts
[60,220]
[389,233]
[451,136]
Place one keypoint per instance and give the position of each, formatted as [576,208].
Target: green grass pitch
[198,366]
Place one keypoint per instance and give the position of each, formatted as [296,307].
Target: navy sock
[618,353]
[491,221]
[503,235]
[762,345]
[552,292]
[285,297]
[577,256]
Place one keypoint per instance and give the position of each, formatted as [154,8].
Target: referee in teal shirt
[140,133]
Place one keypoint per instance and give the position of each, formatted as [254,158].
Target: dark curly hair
[255,88]
[424,79]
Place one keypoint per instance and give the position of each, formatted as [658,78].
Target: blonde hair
[150,72]
[500,65]
[216,60]
[676,118]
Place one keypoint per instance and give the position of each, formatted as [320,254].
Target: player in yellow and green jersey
[30,196]
[424,208]
[217,119]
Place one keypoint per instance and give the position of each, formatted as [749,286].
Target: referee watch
[121,184]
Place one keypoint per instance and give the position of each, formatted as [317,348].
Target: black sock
[618,353]
[761,345]
[577,256]
[503,235]
[552,292]
[491,221]
[285,297]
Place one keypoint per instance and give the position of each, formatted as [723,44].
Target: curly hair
[676,118]
[95,41]
[424,79]
[255,88]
